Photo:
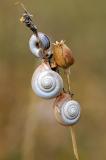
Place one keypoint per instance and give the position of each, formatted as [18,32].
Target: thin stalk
[74,143]
[75,149]
[68,80]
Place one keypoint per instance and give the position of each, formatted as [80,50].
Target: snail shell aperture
[67,111]
[46,83]
[34,45]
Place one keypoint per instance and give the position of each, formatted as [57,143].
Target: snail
[36,49]
[46,83]
[67,111]
[62,54]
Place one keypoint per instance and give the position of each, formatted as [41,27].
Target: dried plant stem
[71,128]
[68,80]
[74,143]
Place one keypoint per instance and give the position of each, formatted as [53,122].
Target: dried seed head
[62,54]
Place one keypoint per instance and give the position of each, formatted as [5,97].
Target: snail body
[46,83]
[62,54]
[67,111]
[34,46]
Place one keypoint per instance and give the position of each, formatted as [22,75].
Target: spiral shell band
[70,112]
[44,40]
[34,44]
[47,84]
[46,81]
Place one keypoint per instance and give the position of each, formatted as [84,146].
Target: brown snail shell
[62,54]
[67,111]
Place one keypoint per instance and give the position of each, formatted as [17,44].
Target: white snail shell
[67,111]
[45,42]
[34,47]
[46,83]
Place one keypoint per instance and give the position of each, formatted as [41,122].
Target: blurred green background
[28,129]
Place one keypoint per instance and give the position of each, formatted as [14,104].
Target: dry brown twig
[26,18]
[74,142]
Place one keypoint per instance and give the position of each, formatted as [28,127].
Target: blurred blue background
[28,129]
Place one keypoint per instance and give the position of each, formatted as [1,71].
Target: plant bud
[62,54]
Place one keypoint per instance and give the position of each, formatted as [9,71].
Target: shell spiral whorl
[67,111]
[46,83]
[44,40]
[34,45]
[70,112]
